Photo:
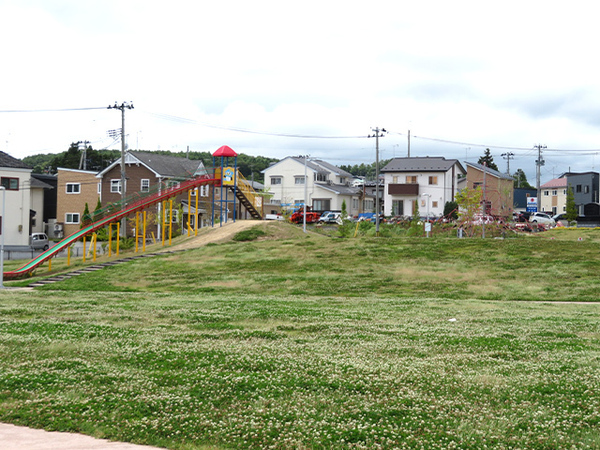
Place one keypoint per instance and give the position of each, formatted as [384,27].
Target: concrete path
[22,438]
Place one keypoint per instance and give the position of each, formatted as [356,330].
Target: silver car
[543,218]
[39,241]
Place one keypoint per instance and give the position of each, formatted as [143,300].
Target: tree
[451,210]
[469,202]
[571,211]
[487,160]
[521,180]
[86,219]
[344,210]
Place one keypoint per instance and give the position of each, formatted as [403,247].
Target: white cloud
[511,74]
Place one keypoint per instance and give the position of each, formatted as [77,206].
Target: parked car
[329,217]
[39,241]
[543,218]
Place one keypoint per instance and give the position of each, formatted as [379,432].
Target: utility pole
[538,164]
[409,143]
[377,135]
[82,145]
[122,107]
[508,156]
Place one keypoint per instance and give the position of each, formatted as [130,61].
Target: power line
[48,110]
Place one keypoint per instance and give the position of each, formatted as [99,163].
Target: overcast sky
[460,75]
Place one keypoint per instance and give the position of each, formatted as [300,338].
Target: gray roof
[490,171]
[8,161]
[340,188]
[168,166]
[421,164]
[333,168]
[37,183]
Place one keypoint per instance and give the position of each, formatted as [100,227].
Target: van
[39,241]
[329,217]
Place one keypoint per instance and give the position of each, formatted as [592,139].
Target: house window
[342,180]
[145,185]
[411,179]
[10,184]
[433,180]
[546,193]
[321,176]
[204,190]
[434,204]
[578,188]
[397,207]
[299,202]
[115,186]
[368,205]
[73,188]
[99,188]
[172,184]
[564,192]
[299,180]
[395,180]
[321,204]
[275,180]
[555,193]
[586,189]
[72,218]
[355,203]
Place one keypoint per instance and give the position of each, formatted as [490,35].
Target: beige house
[75,188]
[554,196]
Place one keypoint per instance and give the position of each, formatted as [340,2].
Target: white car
[543,218]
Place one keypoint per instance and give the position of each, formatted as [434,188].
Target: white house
[426,183]
[325,187]
[15,177]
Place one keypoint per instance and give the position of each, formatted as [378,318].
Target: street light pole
[427,223]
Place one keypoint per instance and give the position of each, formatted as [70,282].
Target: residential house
[554,196]
[497,189]
[148,172]
[585,187]
[15,177]
[422,183]
[75,188]
[324,187]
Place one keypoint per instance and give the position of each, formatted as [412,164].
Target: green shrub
[249,235]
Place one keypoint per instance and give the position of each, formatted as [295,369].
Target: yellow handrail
[247,189]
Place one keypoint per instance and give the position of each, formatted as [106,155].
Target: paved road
[22,438]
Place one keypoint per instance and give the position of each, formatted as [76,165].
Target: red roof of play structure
[225,151]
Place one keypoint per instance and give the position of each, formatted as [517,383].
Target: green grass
[315,342]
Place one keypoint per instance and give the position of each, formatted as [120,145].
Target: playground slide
[129,209]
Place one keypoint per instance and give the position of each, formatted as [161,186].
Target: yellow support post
[170,221]
[118,236]
[144,236]
[137,229]
[50,264]
[164,221]
[95,241]
[84,249]
[196,213]
[189,225]
[68,255]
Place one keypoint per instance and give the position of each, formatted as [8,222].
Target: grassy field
[308,341]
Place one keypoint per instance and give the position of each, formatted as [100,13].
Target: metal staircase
[248,197]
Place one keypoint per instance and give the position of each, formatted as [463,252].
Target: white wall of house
[18,203]
[435,189]
[37,204]
[285,180]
